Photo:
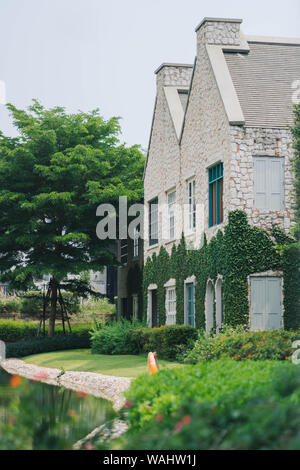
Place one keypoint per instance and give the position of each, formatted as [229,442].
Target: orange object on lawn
[152,363]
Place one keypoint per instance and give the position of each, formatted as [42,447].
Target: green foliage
[100,306]
[240,344]
[10,305]
[167,341]
[32,303]
[114,338]
[296,135]
[215,405]
[36,416]
[240,251]
[16,330]
[52,179]
[60,342]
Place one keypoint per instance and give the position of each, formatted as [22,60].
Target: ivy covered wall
[235,254]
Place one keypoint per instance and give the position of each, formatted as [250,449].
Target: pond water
[35,415]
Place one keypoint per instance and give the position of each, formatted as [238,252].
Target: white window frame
[171,305]
[136,236]
[189,280]
[171,201]
[191,188]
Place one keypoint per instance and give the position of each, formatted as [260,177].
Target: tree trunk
[52,317]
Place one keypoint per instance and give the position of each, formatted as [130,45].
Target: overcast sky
[87,54]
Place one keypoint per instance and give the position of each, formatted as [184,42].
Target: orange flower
[15,381]
[186,420]
[73,414]
[81,394]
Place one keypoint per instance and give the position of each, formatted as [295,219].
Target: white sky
[84,54]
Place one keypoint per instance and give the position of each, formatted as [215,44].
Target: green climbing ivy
[235,254]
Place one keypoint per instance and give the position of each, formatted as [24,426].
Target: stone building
[220,141]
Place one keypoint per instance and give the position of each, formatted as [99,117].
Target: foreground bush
[114,338]
[45,344]
[239,344]
[18,330]
[216,405]
[167,341]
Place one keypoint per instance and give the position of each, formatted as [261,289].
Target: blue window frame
[215,183]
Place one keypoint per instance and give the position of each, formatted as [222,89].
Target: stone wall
[163,163]
[219,32]
[208,138]
[246,143]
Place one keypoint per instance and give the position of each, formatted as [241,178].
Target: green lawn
[83,360]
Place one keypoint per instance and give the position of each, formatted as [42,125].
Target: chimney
[174,75]
[219,31]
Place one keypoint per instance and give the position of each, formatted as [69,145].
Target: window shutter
[276,176]
[273,306]
[258,303]
[261,199]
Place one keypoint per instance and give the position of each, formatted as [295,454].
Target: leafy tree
[52,179]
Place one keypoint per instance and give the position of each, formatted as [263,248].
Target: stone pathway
[103,386]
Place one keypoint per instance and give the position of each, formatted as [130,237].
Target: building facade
[220,143]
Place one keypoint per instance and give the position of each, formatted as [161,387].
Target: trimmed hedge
[239,344]
[167,341]
[45,344]
[216,405]
[18,330]
[127,337]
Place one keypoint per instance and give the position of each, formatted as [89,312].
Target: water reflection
[34,415]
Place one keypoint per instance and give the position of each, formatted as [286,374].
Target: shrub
[10,305]
[32,303]
[215,405]
[167,341]
[240,344]
[98,306]
[114,338]
[11,330]
[45,344]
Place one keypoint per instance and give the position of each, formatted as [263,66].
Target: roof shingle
[263,81]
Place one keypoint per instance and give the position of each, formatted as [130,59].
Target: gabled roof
[177,105]
[263,80]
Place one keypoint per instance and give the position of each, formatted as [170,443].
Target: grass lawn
[83,360]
